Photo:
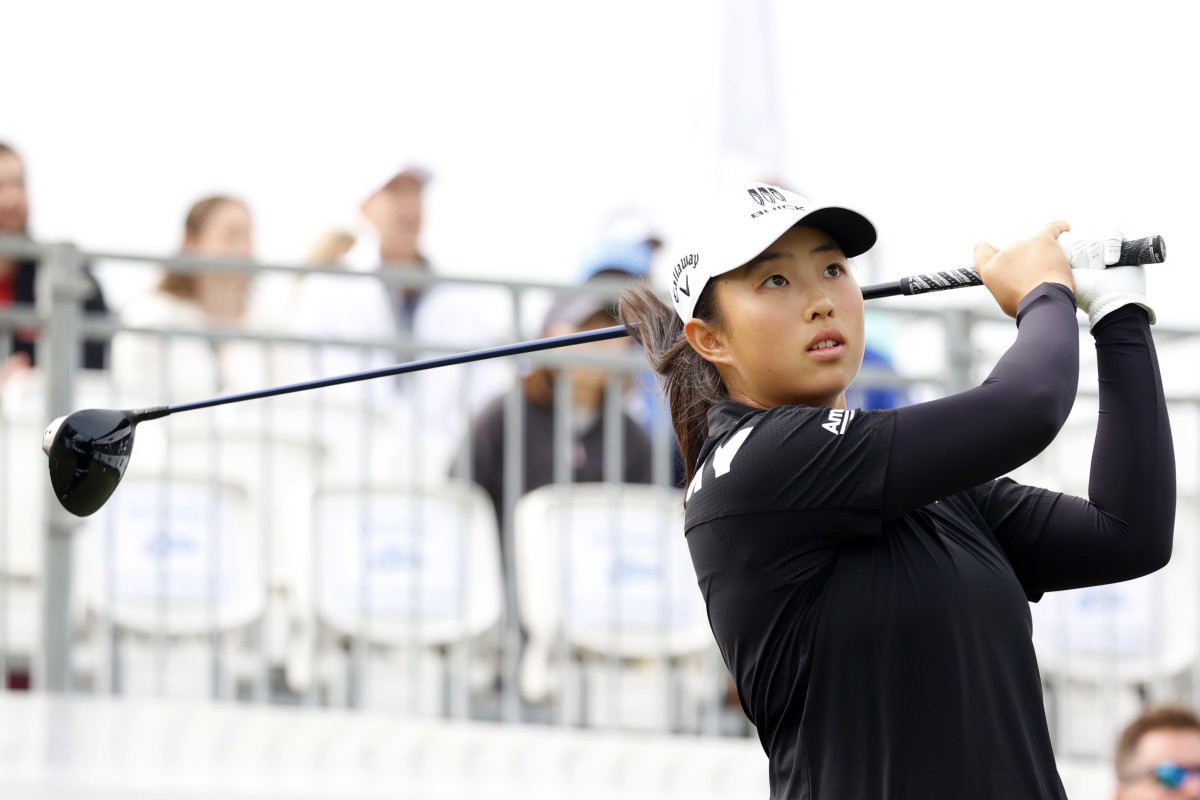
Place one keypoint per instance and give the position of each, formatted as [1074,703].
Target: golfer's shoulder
[773,425]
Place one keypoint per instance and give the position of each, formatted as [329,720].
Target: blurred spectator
[394,210]
[624,256]
[191,367]
[867,397]
[18,279]
[429,409]
[1158,755]
[632,225]
[569,314]
[617,260]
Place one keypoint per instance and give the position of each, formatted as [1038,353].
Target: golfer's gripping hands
[1012,273]
[1099,287]
[1082,262]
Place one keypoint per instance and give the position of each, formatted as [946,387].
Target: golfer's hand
[1100,287]
[1018,269]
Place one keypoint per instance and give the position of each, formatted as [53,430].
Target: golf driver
[89,450]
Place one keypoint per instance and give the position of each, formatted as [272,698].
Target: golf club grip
[1148,250]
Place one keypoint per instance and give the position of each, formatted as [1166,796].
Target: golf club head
[89,451]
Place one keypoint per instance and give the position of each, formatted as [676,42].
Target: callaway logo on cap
[741,222]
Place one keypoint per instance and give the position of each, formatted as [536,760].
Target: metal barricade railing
[282,640]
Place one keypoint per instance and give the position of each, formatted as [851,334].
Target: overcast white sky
[945,122]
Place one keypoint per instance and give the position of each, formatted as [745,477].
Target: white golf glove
[1100,288]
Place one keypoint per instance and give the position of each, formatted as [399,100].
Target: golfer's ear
[707,340]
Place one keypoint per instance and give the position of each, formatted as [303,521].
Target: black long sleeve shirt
[867,574]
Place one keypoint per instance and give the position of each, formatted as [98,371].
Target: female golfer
[867,573]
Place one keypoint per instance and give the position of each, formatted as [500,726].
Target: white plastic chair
[266,447]
[24,493]
[161,567]
[409,577]
[604,569]
[23,479]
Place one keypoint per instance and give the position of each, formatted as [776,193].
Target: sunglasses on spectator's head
[1169,775]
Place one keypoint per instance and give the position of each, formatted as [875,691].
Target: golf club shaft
[1151,249]
[535,345]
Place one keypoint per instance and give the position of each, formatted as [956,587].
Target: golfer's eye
[775,282]
[835,270]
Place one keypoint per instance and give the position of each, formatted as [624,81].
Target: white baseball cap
[373,178]
[741,222]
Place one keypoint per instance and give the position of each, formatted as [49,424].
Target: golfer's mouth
[827,345]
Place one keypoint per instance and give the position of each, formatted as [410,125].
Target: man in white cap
[393,211]
[429,409]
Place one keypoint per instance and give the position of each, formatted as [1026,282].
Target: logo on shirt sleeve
[721,459]
[839,420]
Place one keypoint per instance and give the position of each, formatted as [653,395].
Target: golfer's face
[793,323]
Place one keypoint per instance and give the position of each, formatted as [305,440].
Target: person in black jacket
[18,278]
[867,573]
[571,313]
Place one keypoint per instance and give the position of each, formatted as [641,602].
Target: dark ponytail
[691,384]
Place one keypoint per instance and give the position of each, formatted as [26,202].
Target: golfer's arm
[949,445]
[1124,528]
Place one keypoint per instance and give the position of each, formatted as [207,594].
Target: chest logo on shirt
[839,420]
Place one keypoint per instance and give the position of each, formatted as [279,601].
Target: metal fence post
[60,290]
[959,352]
[512,488]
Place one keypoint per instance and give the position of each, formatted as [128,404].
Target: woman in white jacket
[169,368]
